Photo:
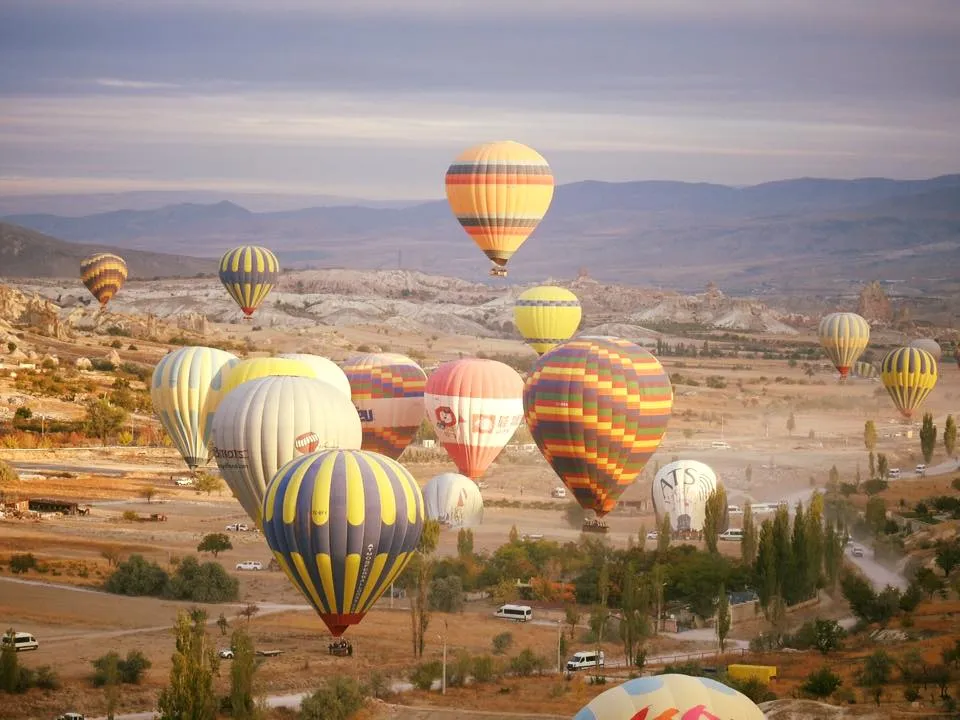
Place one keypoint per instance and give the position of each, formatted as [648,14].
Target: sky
[374,98]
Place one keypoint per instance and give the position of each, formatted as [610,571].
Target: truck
[763,673]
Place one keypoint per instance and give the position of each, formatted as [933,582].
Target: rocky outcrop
[34,312]
[811,710]
[874,305]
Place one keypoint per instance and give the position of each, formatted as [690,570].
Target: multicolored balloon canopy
[103,275]
[343,524]
[908,374]
[499,192]
[597,409]
[546,316]
[249,273]
[844,336]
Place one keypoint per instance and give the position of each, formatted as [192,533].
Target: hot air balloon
[546,316]
[930,345]
[671,697]
[249,273]
[956,356]
[499,192]
[266,423]
[252,369]
[597,409]
[343,524]
[908,374]
[680,490]
[475,406]
[865,370]
[844,336]
[103,274]
[182,382]
[454,500]
[324,368]
[388,392]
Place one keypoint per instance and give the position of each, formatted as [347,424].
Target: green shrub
[207,582]
[22,563]
[137,576]
[425,674]
[484,669]
[339,698]
[47,678]
[502,643]
[527,663]
[821,683]
[129,670]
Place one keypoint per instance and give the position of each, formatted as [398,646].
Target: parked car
[238,527]
[70,716]
[857,551]
[893,473]
[732,534]
[920,469]
[226,653]
[22,641]
[559,492]
[585,659]
[250,565]
[184,481]
[653,535]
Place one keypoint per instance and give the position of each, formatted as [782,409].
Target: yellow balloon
[252,369]
[499,192]
[908,374]
[844,336]
[546,316]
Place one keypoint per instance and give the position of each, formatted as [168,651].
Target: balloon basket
[595,526]
[340,648]
[497,271]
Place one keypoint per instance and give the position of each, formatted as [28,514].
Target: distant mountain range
[790,236]
[26,253]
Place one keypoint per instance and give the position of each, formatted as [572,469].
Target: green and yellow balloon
[546,316]
[249,273]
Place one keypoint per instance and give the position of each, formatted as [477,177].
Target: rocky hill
[27,253]
[796,236]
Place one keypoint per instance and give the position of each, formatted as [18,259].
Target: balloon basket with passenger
[340,648]
[595,525]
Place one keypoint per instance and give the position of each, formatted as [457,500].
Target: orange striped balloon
[103,274]
[499,192]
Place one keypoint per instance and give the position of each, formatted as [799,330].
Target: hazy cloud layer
[338,97]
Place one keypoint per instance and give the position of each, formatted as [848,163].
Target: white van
[720,445]
[519,613]
[732,534]
[22,641]
[585,659]
[559,492]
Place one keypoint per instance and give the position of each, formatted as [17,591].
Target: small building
[43,505]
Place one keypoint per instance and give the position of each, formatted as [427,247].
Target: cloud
[134,84]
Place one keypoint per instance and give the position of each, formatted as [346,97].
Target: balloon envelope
[597,409]
[499,192]
[930,345]
[908,374]
[324,369]
[387,389]
[844,336]
[452,499]
[266,423]
[252,369]
[343,524]
[182,382]
[103,275]
[475,406]
[673,697]
[681,489]
[546,316]
[249,273]
[865,370]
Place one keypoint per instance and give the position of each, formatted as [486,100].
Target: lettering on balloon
[365,415]
[231,459]
[367,561]
[483,423]
[697,712]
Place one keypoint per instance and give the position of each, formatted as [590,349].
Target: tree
[103,419]
[870,436]
[832,556]
[928,581]
[948,556]
[748,474]
[202,582]
[791,424]
[223,624]
[339,698]
[768,582]
[714,514]
[464,543]
[950,436]
[248,611]
[663,534]
[634,611]
[111,682]
[190,693]
[138,576]
[875,514]
[446,594]
[148,493]
[814,538]
[800,552]
[748,546]
[829,635]
[833,479]
[883,467]
[8,475]
[207,483]
[872,465]
[215,543]
[821,683]
[723,618]
[514,535]
[9,664]
[422,572]
[783,554]
[657,581]
[876,672]
[243,669]
[928,437]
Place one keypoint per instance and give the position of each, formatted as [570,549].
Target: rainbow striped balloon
[597,409]
[103,275]
[343,524]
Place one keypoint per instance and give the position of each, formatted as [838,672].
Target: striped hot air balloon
[475,406]
[499,192]
[103,274]
[343,524]
[546,316]
[597,409]
[671,697]
[249,273]
[252,369]
[454,500]
[387,389]
[844,336]
[865,370]
[908,374]
[182,382]
[324,368]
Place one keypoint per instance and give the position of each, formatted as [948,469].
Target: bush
[338,699]
[137,576]
[484,670]
[8,476]
[718,382]
[502,643]
[821,683]
[47,678]
[755,689]
[207,582]
[527,663]
[424,674]
[22,563]
[129,670]
[459,669]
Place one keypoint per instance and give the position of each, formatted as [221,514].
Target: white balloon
[681,489]
[325,368]
[453,499]
[265,423]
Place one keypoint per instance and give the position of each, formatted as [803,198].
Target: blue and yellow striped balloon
[908,374]
[249,274]
[182,383]
[343,524]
